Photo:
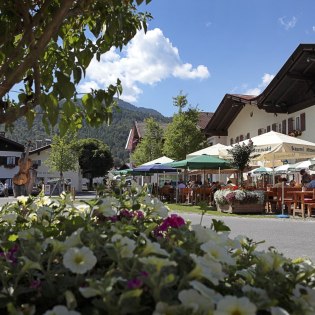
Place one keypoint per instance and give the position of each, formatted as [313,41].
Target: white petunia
[61,310]
[231,305]
[108,206]
[152,248]
[198,302]
[125,245]
[206,267]
[9,217]
[22,199]
[74,239]
[157,206]
[79,260]
[218,253]
[278,311]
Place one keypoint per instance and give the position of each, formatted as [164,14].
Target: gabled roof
[227,111]
[10,145]
[204,118]
[291,90]
[40,149]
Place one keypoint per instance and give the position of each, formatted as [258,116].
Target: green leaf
[219,226]
[64,85]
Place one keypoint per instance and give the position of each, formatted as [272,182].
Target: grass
[203,208]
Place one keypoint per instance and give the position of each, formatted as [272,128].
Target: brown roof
[292,89]
[204,118]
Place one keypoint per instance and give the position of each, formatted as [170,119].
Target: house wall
[250,119]
[6,174]
[44,173]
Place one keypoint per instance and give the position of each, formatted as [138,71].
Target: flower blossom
[79,260]
[61,310]
[231,305]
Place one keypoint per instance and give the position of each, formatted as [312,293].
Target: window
[241,137]
[248,135]
[290,125]
[237,140]
[268,128]
[297,123]
[284,126]
[231,141]
[11,160]
[274,127]
[279,128]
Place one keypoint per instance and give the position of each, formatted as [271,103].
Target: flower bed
[235,200]
[127,255]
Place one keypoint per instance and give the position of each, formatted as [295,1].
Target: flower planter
[238,207]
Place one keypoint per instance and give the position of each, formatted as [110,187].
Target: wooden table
[299,197]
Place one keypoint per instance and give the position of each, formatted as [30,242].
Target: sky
[205,49]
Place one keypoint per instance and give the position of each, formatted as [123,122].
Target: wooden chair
[310,204]
[184,195]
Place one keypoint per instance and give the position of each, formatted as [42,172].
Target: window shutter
[248,135]
[241,137]
[284,126]
[237,139]
[302,121]
[290,125]
[231,141]
[268,128]
[274,127]
[259,132]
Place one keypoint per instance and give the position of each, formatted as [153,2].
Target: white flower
[231,305]
[152,248]
[125,245]
[45,212]
[159,263]
[79,260]
[158,208]
[218,253]
[108,206]
[61,310]
[278,311]
[271,261]
[206,268]
[198,302]
[22,199]
[74,239]
[9,217]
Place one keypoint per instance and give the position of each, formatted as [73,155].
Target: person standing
[306,178]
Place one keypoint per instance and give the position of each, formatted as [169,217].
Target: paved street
[293,237]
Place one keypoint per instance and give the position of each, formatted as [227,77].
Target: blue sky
[205,48]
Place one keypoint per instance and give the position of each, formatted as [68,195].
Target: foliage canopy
[45,49]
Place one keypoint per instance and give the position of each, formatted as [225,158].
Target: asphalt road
[292,237]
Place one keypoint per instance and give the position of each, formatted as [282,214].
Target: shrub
[127,255]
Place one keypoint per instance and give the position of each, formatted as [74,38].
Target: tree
[180,101]
[95,158]
[241,155]
[151,146]
[62,157]
[45,49]
[182,136]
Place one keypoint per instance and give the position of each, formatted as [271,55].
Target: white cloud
[148,59]
[287,23]
[313,28]
[265,80]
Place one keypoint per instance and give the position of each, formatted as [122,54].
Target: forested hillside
[115,135]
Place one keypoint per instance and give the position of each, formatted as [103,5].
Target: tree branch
[38,49]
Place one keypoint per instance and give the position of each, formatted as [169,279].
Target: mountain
[115,135]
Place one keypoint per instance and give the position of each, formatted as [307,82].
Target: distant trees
[151,146]
[182,136]
[63,156]
[94,158]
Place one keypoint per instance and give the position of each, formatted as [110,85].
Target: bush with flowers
[125,254]
[229,195]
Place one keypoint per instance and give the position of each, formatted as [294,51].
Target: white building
[287,105]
